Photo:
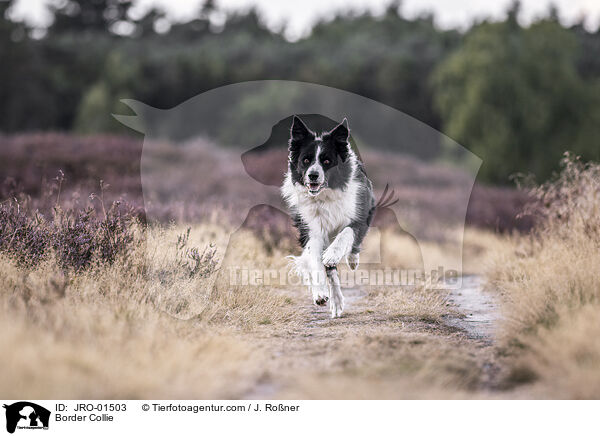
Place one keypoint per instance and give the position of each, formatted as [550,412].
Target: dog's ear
[339,135]
[299,130]
[298,133]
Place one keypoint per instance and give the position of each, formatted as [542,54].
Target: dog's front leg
[340,247]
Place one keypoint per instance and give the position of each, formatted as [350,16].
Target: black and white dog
[332,205]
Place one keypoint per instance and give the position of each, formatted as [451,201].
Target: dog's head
[320,162]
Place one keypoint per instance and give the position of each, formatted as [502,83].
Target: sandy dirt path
[371,354]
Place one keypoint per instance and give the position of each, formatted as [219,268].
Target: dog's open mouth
[314,188]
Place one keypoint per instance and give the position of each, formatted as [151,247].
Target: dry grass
[209,299]
[471,252]
[551,289]
[145,326]
[421,302]
[141,327]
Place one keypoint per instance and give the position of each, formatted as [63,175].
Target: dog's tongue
[313,186]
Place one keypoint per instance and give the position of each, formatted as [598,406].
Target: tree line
[518,96]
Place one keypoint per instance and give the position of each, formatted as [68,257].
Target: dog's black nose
[313,177]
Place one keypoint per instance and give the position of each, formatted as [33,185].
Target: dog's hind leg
[336,300]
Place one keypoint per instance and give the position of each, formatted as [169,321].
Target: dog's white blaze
[315,168]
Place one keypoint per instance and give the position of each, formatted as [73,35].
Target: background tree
[514,96]
[87,16]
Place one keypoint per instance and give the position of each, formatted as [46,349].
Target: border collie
[332,204]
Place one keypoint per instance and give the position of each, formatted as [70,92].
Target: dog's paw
[332,256]
[320,295]
[352,260]
[321,301]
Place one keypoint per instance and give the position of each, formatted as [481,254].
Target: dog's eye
[306,161]
[326,162]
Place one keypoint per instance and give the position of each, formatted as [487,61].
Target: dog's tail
[386,199]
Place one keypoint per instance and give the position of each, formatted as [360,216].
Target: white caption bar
[300,417]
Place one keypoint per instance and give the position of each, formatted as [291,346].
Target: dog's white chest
[330,211]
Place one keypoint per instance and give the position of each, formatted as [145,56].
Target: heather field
[34,164]
[116,305]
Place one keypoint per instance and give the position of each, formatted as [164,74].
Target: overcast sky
[299,16]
